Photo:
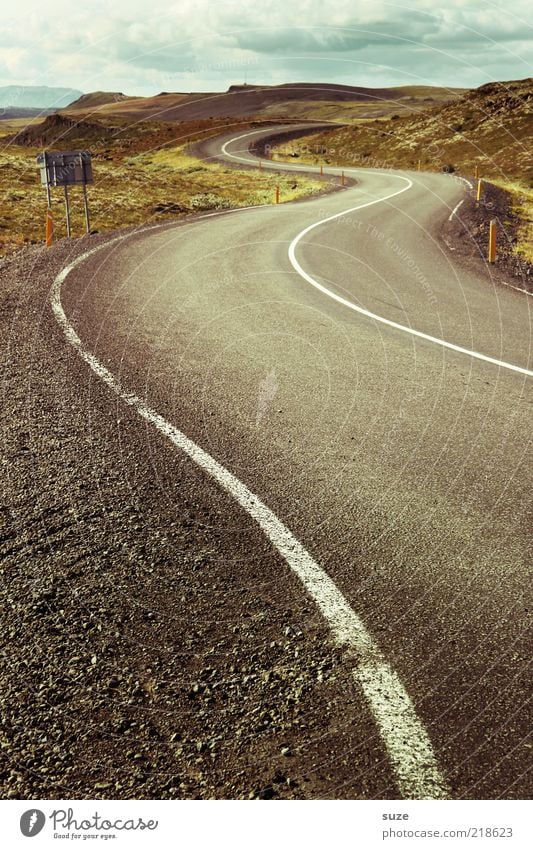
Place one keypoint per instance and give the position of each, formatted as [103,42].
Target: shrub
[208,200]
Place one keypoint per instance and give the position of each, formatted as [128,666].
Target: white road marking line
[452,213]
[468,183]
[413,761]
[403,328]
[517,289]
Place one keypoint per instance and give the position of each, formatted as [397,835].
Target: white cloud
[142,47]
[14,60]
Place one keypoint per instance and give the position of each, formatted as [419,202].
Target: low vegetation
[490,127]
[522,205]
[142,173]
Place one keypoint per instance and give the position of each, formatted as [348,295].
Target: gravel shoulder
[468,235]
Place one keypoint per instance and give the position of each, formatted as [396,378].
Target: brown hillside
[491,126]
[97,98]
[295,100]
[59,130]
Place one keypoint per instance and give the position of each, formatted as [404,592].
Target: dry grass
[12,125]
[349,112]
[522,205]
[141,175]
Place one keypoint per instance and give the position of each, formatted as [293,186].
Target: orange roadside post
[321,169]
[277,194]
[49,227]
[492,240]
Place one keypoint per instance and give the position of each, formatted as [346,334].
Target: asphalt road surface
[358,399]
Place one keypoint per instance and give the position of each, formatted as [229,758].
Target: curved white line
[402,327]
[454,210]
[405,738]
[307,277]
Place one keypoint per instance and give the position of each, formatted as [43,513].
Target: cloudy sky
[143,47]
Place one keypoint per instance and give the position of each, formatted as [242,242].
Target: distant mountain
[36,97]
[315,101]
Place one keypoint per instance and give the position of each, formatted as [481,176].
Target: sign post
[66,169]
[67,209]
[49,232]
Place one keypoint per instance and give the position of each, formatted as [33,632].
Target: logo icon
[32,822]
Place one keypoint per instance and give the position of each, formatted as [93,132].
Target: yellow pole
[492,240]
[476,174]
[342,178]
[49,228]
[478,197]
[419,163]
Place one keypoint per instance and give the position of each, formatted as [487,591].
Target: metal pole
[87,222]
[48,198]
[67,209]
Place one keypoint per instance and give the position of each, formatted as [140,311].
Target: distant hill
[98,98]
[315,101]
[37,97]
[491,126]
[8,113]
[57,130]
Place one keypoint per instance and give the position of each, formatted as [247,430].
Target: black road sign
[65,169]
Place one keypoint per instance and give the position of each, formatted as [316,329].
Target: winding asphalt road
[374,394]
